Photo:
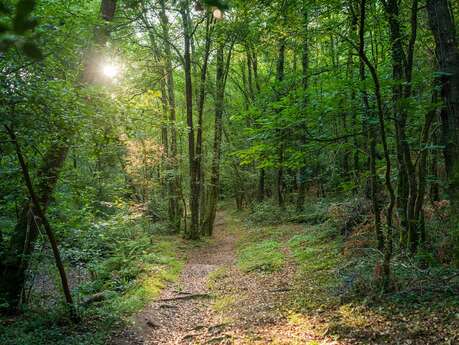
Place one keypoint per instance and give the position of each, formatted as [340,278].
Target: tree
[15,260]
[447,52]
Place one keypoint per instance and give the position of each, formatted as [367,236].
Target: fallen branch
[218,340]
[189,337]
[218,326]
[190,296]
[97,297]
[152,324]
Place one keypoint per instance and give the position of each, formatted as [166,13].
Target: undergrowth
[269,213]
[261,257]
[126,263]
[317,254]
[338,281]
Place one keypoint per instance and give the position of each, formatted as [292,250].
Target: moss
[223,303]
[215,276]
[262,257]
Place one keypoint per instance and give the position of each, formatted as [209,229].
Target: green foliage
[47,328]
[266,213]
[109,207]
[261,257]
[443,230]
[125,261]
[412,280]
[17,26]
[317,252]
[315,212]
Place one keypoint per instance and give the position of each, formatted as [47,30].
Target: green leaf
[4,8]
[6,41]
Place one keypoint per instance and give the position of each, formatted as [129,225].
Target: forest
[229,172]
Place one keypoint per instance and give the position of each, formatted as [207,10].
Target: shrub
[315,212]
[266,213]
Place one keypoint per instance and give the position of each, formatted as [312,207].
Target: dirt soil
[213,302]
[183,312]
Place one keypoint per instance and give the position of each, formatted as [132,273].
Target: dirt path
[215,302]
[226,307]
[183,313]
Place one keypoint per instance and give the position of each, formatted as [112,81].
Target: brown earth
[183,311]
[213,302]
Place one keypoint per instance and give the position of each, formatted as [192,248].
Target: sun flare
[110,70]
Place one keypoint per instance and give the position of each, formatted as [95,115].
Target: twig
[191,296]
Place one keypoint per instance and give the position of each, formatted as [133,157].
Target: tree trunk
[280,168]
[201,99]
[434,186]
[174,185]
[372,134]
[401,91]
[387,244]
[161,70]
[215,172]
[442,24]
[261,185]
[305,70]
[252,63]
[422,168]
[193,232]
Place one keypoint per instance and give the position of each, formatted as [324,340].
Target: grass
[223,303]
[317,254]
[261,257]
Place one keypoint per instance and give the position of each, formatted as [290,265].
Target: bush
[315,212]
[266,213]
[361,277]
[443,232]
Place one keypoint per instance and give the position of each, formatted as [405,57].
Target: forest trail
[214,302]
[183,312]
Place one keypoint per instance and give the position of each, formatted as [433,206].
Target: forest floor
[183,311]
[273,285]
[214,302]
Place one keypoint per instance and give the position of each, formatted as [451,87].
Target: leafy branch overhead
[17,26]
